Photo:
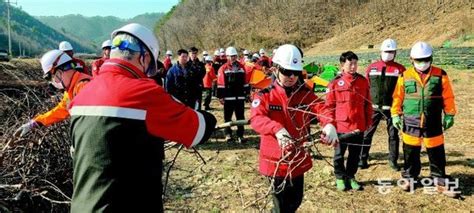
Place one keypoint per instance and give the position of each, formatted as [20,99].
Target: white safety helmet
[143,34]
[205,53]
[246,52]
[221,50]
[421,50]
[289,57]
[255,55]
[230,51]
[216,52]
[168,52]
[388,45]
[107,43]
[53,59]
[208,58]
[262,51]
[65,46]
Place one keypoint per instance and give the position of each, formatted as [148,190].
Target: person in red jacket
[264,59]
[283,127]
[119,122]
[80,65]
[106,46]
[167,62]
[209,79]
[232,92]
[348,103]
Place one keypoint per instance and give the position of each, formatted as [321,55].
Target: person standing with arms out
[232,92]
[79,64]
[275,118]
[106,46]
[58,68]
[423,106]
[119,123]
[208,81]
[349,108]
[382,76]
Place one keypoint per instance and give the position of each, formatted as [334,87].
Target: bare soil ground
[230,180]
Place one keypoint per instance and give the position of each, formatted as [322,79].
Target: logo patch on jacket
[340,83]
[255,103]
[276,108]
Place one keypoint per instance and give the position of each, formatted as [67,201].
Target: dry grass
[406,32]
[230,180]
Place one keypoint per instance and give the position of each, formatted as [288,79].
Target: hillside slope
[95,29]
[316,25]
[33,36]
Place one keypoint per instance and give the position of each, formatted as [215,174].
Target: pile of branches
[36,170]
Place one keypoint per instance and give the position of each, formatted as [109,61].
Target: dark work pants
[350,169]
[207,97]
[289,199]
[393,139]
[230,107]
[214,90]
[412,164]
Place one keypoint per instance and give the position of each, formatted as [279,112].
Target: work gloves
[283,138]
[397,122]
[286,142]
[330,135]
[448,121]
[25,128]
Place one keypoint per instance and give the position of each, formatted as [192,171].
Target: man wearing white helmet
[278,115]
[79,64]
[106,47]
[119,123]
[232,92]
[264,60]
[58,68]
[167,62]
[246,57]
[382,76]
[423,106]
[204,55]
[208,82]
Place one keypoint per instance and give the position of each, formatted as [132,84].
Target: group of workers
[121,115]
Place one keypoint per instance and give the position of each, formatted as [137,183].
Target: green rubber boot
[340,184]
[355,185]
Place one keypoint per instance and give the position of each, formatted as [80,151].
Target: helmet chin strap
[62,82]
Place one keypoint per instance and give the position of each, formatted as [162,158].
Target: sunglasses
[289,73]
[64,67]
[423,59]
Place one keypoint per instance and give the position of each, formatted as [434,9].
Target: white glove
[283,137]
[330,134]
[25,128]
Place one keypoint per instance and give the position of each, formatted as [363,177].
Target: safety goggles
[289,73]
